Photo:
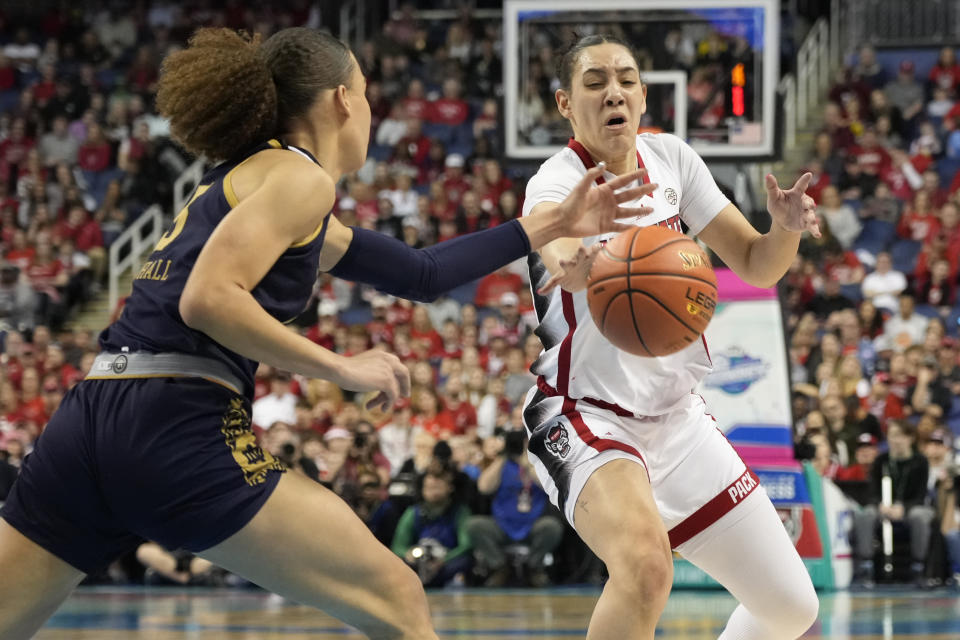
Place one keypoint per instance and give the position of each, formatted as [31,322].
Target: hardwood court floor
[175,614]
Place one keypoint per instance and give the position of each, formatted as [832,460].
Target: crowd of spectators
[441,478]
[872,308]
[81,153]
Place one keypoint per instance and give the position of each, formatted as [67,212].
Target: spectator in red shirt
[379,330]
[94,154]
[48,277]
[901,176]
[843,266]
[20,254]
[946,72]
[415,105]
[422,329]
[931,184]
[8,75]
[46,86]
[13,150]
[454,182]
[55,363]
[417,144]
[451,347]
[932,251]
[322,332]
[863,457]
[31,408]
[428,417]
[872,157]
[441,207]
[451,109]
[819,181]
[920,221]
[142,74]
[938,289]
[76,227]
[494,285]
[471,216]
[494,183]
[463,415]
[836,125]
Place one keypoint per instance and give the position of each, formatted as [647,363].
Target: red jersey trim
[721,504]
[590,438]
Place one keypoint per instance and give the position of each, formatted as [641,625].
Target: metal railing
[185,183]
[132,244]
[813,69]
[353,28]
[898,23]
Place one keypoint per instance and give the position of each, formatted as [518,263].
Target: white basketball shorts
[696,475]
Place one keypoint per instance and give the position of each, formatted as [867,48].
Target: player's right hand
[573,272]
[375,370]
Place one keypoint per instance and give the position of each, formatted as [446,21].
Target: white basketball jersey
[577,361]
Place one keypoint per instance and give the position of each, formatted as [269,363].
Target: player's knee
[795,612]
[411,617]
[646,570]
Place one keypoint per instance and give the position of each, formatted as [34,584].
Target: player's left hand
[574,272]
[793,209]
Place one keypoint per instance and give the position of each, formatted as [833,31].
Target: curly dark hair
[227,92]
[570,57]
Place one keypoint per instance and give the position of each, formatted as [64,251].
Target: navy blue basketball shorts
[171,460]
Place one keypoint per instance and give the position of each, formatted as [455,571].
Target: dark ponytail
[227,92]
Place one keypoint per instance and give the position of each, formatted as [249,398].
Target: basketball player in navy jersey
[156,442]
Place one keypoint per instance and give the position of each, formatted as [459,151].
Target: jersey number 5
[180,220]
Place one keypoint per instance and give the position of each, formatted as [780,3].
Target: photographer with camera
[519,515]
[432,535]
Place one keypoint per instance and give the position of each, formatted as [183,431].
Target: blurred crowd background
[870,308]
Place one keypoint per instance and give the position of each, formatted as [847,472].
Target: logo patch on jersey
[120,364]
[558,441]
[670,195]
[689,260]
[247,452]
[734,371]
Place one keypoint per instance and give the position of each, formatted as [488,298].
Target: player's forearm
[541,230]
[771,254]
[233,318]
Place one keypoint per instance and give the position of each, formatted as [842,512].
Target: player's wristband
[423,274]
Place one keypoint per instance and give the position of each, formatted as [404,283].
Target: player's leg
[751,555]
[617,517]
[306,544]
[35,582]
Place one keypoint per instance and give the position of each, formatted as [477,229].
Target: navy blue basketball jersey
[151,318]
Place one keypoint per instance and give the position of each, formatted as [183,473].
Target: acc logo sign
[734,371]
[670,195]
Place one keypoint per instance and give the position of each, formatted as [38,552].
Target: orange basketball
[652,291]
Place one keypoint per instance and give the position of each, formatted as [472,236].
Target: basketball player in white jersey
[621,443]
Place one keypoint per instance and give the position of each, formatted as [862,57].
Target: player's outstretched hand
[592,210]
[375,370]
[793,209]
[574,272]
